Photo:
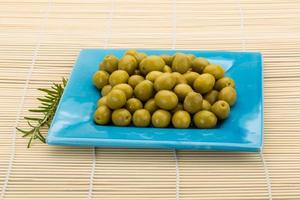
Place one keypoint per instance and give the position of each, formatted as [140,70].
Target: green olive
[127,89]
[161,119]
[206,105]
[109,64]
[166,99]
[181,63]
[150,105]
[141,118]
[192,102]
[167,69]
[178,107]
[100,79]
[133,104]
[216,70]
[168,59]
[105,90]
[128,63]
[221,109]
[164,82]
[190,77]
[131,52]
[152,63]
[116,99]
[121,117]
[211,96]
[179,78]
[205,119]
[102,115]
[181,90]
[204,83]
[224,82]
[228,94]
[191,57]
[198,64]
[134,80]
[140,56]
[151,76]
[144,90]
[102,101]
[118,77]
[181,119]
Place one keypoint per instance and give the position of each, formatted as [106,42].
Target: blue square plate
[242,131]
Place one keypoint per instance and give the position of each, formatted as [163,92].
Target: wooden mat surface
[39,42]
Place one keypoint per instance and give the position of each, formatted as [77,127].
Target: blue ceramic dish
[242,131]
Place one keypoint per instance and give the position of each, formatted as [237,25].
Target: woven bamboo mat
[39,42]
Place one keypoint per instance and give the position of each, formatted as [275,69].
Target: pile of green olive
[179,89]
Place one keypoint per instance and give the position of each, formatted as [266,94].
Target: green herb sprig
[47,107]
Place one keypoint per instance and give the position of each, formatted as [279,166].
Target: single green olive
[206,105]
[167,69]
[190,77]
[128,63]
[102,101]
[116,99]
[105,90]
[133,104]
[216,70]
[152,63]
[192,102]
[205,119]
[134,80]
[168,59]
[102,115]
[204,83]
[228,94]
[151,76]
[211,96]
[224,82]
[181,63]
[221,109]
[164,82]
[121,117]
[191,57]
[109,64]
[100,79]
[181,119]
[166,99]
[179,78]
[141,118]
[127,89]
[118,77]
[144,90]
[161,118]
[150,105]
[198,64]
[181,90]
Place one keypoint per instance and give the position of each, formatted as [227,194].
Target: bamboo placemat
[39,42]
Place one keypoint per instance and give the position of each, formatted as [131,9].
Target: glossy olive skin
[109,64]
[116,99]
[127,89]
[100,79]
[152,63]
[228,94]
[164,82]
[167,69]
[161,118]
[141,118]
[118,77]
[224,82]
[133,104]
[178,107]
[144,90]
[102,101]
[166,99]
[179,78]
[221,109]
[168,59]
[190,77]
[134,80]
[193,102]
[102,115]
[181,63]
[181,90]
[181,119]
[211,96]
[128,63]
[205,119]
[216,70]
[105,90]
[151,106]
[204,83]
[152,76]
[206,105]
[198,64]
[191,57]
[121,117]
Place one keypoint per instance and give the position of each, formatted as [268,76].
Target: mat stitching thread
[177,174]
[242,30]
[106,42]
[24,94]
[266,171]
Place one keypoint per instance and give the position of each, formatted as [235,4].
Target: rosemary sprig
[47,107]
